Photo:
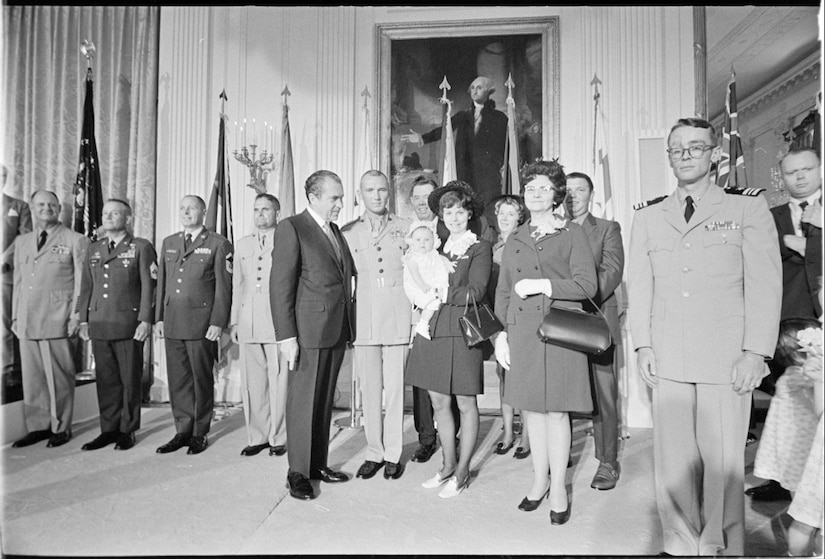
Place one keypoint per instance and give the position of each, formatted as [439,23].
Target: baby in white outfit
[425,273]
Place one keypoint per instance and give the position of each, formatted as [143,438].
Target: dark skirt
[445,365]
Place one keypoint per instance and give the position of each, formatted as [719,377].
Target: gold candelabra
[259,167]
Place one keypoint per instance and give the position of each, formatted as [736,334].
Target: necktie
[111,246]
[688,209]
[805,227]
[187,240]
[42,240]
[328,230]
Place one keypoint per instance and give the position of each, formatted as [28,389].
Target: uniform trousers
[264,373]
[423,416]
[10,347]
[48,384]
[119,368]
[310,394]
[605,416]
[381,375]
[191,384]
[699,434]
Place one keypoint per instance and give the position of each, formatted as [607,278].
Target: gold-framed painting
[414,58]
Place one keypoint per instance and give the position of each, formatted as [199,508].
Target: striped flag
[603,188]
[219,212]
[87,191]
[731,144]
[286,184]
[510,183]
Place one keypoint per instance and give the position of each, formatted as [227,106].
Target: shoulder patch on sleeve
[744,191]
[641,205]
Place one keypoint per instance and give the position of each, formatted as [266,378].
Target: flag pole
[596,95]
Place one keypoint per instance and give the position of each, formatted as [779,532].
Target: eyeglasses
[543,188]
[695,151]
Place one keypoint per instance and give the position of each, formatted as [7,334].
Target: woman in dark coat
[444,365]
[543,261]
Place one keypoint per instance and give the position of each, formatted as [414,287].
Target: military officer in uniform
[17,220]
[705,290]
[382,328]
[264,369]
[48,263]
[194,297]
[116,313]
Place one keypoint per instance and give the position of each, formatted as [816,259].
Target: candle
[236,135]
[272,138]
[266,138]
[254,133]
[243,131]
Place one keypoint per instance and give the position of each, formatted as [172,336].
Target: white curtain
[43,92]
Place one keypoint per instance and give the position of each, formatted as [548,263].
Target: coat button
[105,285]
[380,271]
[180,280]
[106,266]
[541,248]
[685,269]
[105,295]
[105,275]
[380,259]
[685,294]
[378,249]
[518,269]
[260,258]
[687,245]
[181,269]
[177,291]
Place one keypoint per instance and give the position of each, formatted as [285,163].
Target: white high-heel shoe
[452,489]
[435,481]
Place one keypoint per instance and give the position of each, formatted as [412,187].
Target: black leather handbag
[479,323]
[576,329]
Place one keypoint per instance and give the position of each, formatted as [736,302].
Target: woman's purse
[576,329]
[479,323]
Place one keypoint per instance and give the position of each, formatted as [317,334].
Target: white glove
[526,287]
[503,350]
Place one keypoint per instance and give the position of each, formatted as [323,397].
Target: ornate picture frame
[412,60]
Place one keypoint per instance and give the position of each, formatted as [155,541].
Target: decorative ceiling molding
[808,71]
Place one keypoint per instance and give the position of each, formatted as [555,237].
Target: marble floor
[67,502]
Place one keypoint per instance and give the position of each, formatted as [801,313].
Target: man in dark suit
[48,263]
[480,138]
[192,309]
[311,297]
[17,221]
[605,239]
[799,225]
[116,312]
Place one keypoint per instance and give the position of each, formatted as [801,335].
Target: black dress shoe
[33,438]
[102,440]
[197,445]
[369,469]
[528,505]
[278,450]
[299,486]
[560,517]
[125,441]
[393,470]
[330,476]
[424,452]
[254,449]
[178,441]
[771,491]
[59,439]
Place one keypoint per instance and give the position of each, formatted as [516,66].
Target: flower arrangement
[557,223]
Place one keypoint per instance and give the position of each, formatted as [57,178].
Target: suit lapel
[320,237]
[673,213]
[784,220]
[121,247]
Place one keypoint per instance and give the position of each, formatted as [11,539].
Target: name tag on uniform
[203,250]
[172,250]
[61,249]
[721,226]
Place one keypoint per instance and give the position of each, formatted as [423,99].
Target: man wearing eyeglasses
[705,290]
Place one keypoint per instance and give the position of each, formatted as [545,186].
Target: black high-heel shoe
[502,448]
[560,517]
[529,506]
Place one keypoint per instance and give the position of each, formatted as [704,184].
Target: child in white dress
[426,273]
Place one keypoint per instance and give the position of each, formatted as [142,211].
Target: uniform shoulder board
[347,226]
[641,205]
[744,191]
